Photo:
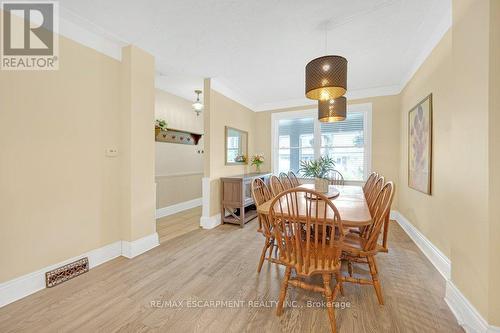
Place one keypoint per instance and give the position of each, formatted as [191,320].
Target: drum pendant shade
[332,110]
[326,77]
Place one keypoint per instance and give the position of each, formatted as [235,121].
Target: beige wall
[137,145]
[385,134]
[223,112]
[430,213]
[179,168]
[59,193]
[494,151]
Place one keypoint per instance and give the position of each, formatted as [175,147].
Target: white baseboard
[436,257]
[210,222]
[467,315]
[173,209]
[28,284]
[139,246]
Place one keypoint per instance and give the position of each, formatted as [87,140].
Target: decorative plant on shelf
[257,160]
[160,125]
[319,170]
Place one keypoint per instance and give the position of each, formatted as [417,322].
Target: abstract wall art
[420,146]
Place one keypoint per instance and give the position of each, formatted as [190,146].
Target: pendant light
[326,77]
[332,110]
[197,106]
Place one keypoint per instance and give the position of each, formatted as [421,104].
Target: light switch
[111,152]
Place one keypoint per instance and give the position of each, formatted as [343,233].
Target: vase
[257,168]
[321,185]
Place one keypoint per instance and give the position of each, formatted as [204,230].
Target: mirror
[236,146]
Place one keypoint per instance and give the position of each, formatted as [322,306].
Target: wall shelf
[173,135]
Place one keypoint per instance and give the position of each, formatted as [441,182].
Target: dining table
[348,199]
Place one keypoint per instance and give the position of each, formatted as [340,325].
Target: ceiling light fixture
[197,106]
[332,110]
[326,77]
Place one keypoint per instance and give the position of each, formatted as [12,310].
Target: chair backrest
[336,178]
[261,194]
[308,231]
[374,191]
[287,183]
[369,182]
[381,209]
[276,185]
[293,178]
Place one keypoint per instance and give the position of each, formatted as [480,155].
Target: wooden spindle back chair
[369,182]
[285,180]
[363,248]
[310,237]
[262,194]
[276,185]
[293,178]
[335,178]
[374,191]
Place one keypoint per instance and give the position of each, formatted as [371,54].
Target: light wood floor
[176,225]
[220,264]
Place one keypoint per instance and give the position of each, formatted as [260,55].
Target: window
[295,143]
[299,136]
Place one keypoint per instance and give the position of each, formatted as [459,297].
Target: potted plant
[319,169]
[160,125]
[257,160]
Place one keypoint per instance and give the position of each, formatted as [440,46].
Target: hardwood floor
[176,225]
[220,264]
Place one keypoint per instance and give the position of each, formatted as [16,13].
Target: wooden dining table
[350,202]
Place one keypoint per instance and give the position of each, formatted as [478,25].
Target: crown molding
[88,34]
[354,94]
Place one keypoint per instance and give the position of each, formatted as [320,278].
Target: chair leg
[376,282]
[329,301]
[263,254]
[284,287]
[349,267]
[338,278]
[386,233]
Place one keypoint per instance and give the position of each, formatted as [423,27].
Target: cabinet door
[247,191]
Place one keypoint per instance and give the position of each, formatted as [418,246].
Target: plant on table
[319,170]
[257,160]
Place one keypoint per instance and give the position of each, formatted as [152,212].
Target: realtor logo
[29,36]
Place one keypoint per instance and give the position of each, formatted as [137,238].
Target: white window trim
[313,113]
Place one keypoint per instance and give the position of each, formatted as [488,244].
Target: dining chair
[285,180]
[374,191]
[308,246]
[335,178]
[363,248]
[262,194]
[293,178]
[276,185]
[369,182]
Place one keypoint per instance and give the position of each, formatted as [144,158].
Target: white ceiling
[256,50]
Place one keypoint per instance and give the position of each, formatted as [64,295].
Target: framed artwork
[420,146]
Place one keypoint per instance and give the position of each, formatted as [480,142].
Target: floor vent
[66,272]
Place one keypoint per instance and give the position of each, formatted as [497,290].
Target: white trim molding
[30,283]
[179,207]
[436,257]
[466,314]
[139,246]
[210,222]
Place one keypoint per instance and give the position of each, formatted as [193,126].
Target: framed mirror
[236,146]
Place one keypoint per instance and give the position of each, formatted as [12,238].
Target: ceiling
[256,51]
